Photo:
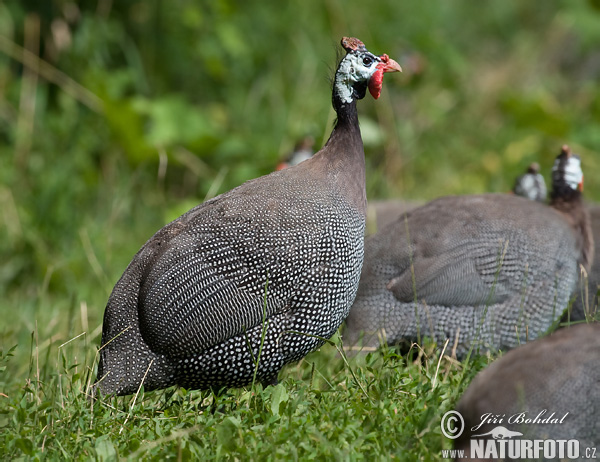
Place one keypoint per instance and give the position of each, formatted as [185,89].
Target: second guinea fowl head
[566,197]
[360,69]
[567,176]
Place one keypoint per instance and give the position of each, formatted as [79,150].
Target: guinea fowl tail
[122,373]
[126,362]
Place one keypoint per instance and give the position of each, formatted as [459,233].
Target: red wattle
[376,83]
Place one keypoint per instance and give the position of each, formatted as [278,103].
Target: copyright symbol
[452,424]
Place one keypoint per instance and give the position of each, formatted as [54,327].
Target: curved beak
[388,64]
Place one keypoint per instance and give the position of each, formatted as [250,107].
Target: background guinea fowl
[381,213]
[559,373]
[585,307]
[531,184]
[289,246]
[490,270]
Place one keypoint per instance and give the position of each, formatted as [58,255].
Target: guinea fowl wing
[470,257]
[217,275]
[459,278]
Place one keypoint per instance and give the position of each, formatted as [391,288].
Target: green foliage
[146,107]
[139,110]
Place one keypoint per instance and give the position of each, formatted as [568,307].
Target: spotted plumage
[260,274]
[488,271]
[555,377]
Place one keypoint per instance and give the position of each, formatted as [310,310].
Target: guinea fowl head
[567,176]
[534,168]
[360,69]
[566,198]
[531,184]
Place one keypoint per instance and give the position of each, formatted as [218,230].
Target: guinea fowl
[381,213]
[555,377]
[487,271]
[531,184]
[255,278]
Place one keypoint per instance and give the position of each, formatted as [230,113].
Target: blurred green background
[117,116]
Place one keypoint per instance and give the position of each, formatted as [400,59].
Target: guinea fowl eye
[367,61]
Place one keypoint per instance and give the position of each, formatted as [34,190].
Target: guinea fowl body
[489,271]
[381,213]
[558,374]
[254,275]
[586,306]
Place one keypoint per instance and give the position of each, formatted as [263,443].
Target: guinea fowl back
[487,271]
[278,230]
[383,212]
[254,275]
[185,305]
[558,375]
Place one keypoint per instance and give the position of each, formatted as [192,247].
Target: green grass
[317,412]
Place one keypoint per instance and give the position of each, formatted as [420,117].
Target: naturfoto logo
[500,433]
[501,442]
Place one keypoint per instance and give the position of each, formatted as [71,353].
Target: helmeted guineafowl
[259,274]
[489,270]
[554,379]
[381,213]
[531,184]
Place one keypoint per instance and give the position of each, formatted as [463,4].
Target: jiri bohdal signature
[521,418]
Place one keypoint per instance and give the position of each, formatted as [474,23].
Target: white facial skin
[573,172]
[353,69]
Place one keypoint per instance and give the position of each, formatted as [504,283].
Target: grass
[48,415]
[381,406]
